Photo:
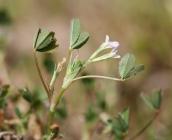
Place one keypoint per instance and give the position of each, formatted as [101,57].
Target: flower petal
[107,39]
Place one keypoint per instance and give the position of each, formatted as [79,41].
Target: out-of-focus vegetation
[142,27]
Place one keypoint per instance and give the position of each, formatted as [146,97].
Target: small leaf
[45,41]
[137,69]
[83,38]
[101,101]
[91,114]
[154,100]
[157,99]
[125,115]
[26,94]
[75,31]
[120,125]
[3,103]
[3,94]
[147,101]
[4,91]
[126,64]
[18,113]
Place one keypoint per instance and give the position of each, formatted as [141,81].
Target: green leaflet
[128,68]
[125,115]
[45,41]
[77,38]
[154,100]
[4,91]
[83,38]
[91,114]
[157,99]
[75,31]
[26,94]
[18,113]
[120,124]
[3,94]
[135,70]
[126,64]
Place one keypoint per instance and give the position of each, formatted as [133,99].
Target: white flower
[114,54]
[110,44]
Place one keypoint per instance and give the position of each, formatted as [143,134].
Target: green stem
[141,131]
[97,76]
[56,98]
[53,80]
[41,77]
[55,103]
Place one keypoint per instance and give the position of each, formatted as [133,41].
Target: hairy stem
[41,77]
[142,130]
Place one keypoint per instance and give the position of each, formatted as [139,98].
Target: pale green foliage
[45,41]
[77,38]
[127,66]
[73,69]
[153,100]
[75,31]
[119,125]
[83,38]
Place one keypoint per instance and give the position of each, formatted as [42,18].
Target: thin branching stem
[79,78]
[41,77]
[147,125]
[97,76]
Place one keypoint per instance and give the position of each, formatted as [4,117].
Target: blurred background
[143,28]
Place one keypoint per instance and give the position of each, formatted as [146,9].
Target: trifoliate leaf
[45,41]
[126,64]
[120,124]
[83,38]
[75,31]
[128,68]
